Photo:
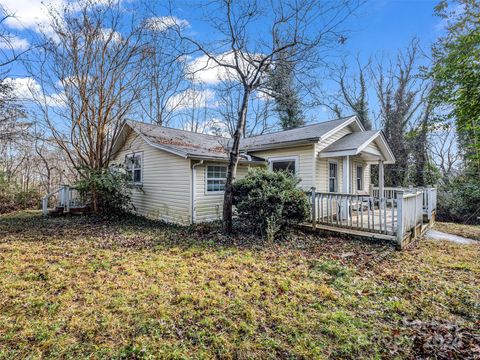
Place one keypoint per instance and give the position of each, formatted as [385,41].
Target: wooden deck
[374,221]
[400,216]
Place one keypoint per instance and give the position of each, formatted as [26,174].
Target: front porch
[400,215]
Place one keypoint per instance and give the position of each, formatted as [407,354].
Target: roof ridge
[301,127]
[182,130]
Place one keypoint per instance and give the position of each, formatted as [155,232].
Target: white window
[284,164]
[133,165]
[216,178]
[332,176]
[359,177]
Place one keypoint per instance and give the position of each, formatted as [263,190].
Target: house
[178,176]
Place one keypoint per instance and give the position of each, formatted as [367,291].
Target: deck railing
[398,214]
[67,197]
[429,196]
[361,212]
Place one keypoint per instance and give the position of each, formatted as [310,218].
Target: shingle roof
[309,132]
[191,144]
[351,141]
[184,143]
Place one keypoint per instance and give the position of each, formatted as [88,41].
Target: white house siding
[209,206]
[166,189]
[306,161]
[321,164]
[366,175]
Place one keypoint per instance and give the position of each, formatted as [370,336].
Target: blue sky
[384,26]
[379,29]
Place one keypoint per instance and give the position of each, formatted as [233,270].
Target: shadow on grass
[138,233]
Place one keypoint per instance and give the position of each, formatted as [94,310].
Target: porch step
[59,210]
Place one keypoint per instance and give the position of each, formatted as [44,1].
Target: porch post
[381,179]
[346,174]
[346,187]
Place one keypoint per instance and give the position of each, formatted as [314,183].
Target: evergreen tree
[282,88]
[456,75]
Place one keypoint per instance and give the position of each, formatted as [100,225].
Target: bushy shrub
[106,191]
[13,198]
[270,202]
[459,200]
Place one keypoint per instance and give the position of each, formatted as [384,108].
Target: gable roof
[356,142]
[186,144]
[189,144]
[307,133]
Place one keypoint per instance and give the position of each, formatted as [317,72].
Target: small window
[332,177]
[359,177]
[133,165]
[216,178]
[287,165]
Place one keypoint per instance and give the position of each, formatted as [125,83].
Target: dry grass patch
[85,287]
[467,231]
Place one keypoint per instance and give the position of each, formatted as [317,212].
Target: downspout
[194,179]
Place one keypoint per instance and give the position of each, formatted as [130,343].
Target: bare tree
[260,110]
[400,95]
[164,86]
[89,73]
[304,25]
[443,149]
[9,53]
[353,92]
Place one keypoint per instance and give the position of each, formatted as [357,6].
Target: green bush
[270,202]
[106,191]
[459,200]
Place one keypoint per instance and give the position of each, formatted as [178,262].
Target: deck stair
[66,200]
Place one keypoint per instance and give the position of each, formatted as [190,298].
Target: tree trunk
[95,202]
[232,164]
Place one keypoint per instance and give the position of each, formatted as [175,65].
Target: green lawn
[81,287]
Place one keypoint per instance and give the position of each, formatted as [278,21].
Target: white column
[346,186]
[346,175]
[381,180]
[381,184]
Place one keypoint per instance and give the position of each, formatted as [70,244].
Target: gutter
[280,144]
[194,179]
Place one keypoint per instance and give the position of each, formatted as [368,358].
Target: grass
[468,231]
[81,287]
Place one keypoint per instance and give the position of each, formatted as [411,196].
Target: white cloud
[34,14]
[191,98]
[29,14]
[114,36]
[163,23]
[12,42]
[28,89]
[205,70]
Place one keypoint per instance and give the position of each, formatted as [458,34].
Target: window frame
[359,188]
[332,162]
[132,155]
[214,192]
[284,158]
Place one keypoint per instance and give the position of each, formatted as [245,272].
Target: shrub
[459,200]
[13,198]
[270,202]
[106,191]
